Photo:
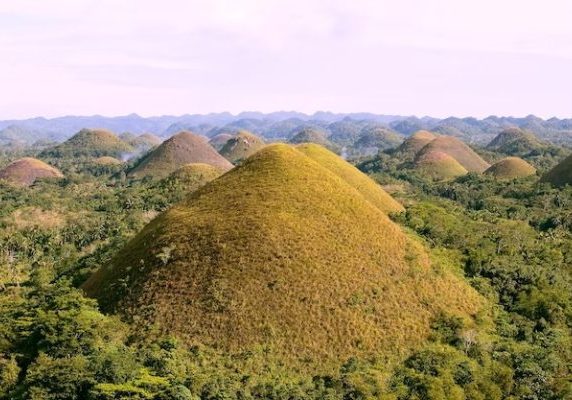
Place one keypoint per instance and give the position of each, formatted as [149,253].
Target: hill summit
[514,141]
[311,135]
[241,146]
[282,253]
[455,148]
[510,168]
[439,166]
[90,143]
[27,170]
[411,146]
[182,148]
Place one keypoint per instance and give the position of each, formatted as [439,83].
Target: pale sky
[407,57]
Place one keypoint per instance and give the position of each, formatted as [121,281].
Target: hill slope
[454,147]
[353,176]
[241,146]
[218,141]
[183,148]
[514,141]
[311,135]
[510,168]
[90,143]
[191,176]
[439,165]
[281,253]
[25,171]
[411,146]
[561,174]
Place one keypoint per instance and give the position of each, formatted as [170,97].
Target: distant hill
[183,148]
[312,135]
[561,174]
[26,171]
[90,143]
[454,147]
[374,138]
[145,141]
[241,146]
[413,144]
[438,165]
[191,176]
[510,168]
[106,160]
[219,140]
[515,141]
[281,254]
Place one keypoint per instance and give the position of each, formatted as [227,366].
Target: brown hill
[414,143]
[510,168]
[27,170]
[241,146]
[454,147]
[561,174]
[191,176]
[281,254]
[145,141]
[439,166]
[183,148]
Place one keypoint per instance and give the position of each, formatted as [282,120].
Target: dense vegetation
[510,240]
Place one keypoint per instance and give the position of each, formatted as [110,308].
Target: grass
[90,143]
[181,149]
[191,176]
[454,147]
[561,174]
[439,166]
[218,141]
[106,160]
[241,146]
[511,168]
[27,170]
[282,254]
[514,140]
[412,145]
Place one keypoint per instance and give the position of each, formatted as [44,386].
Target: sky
[407,57]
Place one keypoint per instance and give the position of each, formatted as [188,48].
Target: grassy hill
[145,141]
[454,147]
[191,176]
[413,144]
[90,143]
[25,171]
[561,174]
[353,176]
[281,254]
[241,146]
[106,160]
[181,149]
[439,166]
[510,168]
[515,141]
[312,135]
[378,138]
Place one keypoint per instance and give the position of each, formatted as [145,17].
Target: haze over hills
[341,126]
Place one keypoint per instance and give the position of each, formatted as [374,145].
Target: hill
[378,138]
[241,146]
[183,148]
[311,135]
[439,166]
[514,141]
[145,141]
[561,174]
[27,170]
[106,160]
[454,147]
[510,168]
[413,144]
[352,176]
[218,141]
[90,143]
[281,254]
[191,176]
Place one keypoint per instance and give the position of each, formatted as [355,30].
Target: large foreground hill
[285,253]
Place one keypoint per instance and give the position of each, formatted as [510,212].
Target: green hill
[439,166]
[353,176]
[454,147]
[192,176]
[241,146]
[218,141]
[181,149]
[145,141]
[378,138]
[510,168]
[27,170]
[561,174]
[284,255]
[312,135]
[90,143]
[515,141]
